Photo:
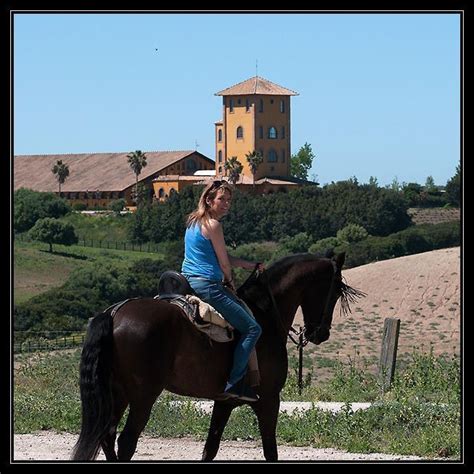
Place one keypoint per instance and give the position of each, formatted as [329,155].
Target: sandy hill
[422,290]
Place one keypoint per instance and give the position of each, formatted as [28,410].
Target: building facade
[255,117]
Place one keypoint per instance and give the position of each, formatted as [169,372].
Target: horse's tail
[95,387]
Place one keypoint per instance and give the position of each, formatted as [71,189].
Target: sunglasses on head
[216,184]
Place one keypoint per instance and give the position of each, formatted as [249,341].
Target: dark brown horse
[148,346]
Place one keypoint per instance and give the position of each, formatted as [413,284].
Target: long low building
[96,179]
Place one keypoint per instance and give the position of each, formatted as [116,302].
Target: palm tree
[61,170]
[254,160]
[234,168]
[137,161]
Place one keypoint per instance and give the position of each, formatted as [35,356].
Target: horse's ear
[340,258]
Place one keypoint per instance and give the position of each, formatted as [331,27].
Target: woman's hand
[229,284]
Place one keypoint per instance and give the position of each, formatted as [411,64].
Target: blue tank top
[200,258]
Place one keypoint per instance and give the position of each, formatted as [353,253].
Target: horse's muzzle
[318,335]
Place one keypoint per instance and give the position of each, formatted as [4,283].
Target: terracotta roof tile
[256,85]
[89,171]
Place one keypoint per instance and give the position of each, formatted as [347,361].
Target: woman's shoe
[238,391]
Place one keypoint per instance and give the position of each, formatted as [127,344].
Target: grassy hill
[36,270]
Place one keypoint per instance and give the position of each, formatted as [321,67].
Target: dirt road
[52,446]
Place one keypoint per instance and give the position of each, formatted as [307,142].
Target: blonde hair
[202,214]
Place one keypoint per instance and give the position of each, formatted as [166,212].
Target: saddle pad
[209,313]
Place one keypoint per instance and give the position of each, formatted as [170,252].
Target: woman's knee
[256,329]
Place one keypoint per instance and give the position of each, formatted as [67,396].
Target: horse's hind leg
[136,421]
[108,443]
[220,417]
[267,414]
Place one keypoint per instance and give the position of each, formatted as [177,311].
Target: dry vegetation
[422,290]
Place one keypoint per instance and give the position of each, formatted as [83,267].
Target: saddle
[174,288]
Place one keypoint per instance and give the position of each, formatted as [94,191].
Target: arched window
[161,193]
[219,135]
[219,155]
[272,132]
[272,156]
[240,132]
[172,191]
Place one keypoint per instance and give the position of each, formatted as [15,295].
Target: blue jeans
[224,301]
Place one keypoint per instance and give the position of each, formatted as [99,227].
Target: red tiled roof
[89,171]
[256,85]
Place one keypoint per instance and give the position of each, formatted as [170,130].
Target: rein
[301,341]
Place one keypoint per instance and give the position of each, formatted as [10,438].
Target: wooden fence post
[388,355]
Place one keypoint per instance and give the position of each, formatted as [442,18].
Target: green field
[36,270]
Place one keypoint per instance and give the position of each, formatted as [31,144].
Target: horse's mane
[349,296]
[254,288]
[277,270]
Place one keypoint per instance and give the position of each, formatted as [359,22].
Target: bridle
[301,340]
[325,323]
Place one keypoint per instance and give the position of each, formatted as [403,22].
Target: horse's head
[303,280]
[320,297]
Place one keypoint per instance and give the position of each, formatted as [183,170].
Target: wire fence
[149,247]
[38,341]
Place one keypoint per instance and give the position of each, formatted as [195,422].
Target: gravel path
[52,446]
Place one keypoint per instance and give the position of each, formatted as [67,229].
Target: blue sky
[379,93]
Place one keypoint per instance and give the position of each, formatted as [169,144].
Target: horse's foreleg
[136,421]
[220,417]
[267,414]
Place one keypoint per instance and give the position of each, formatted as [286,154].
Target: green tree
[52,231]
[29,206]
[137,161]
[301,162]
[61,171]
[234,168]
[254,160]
[117,206]
[453,188]
[430,186]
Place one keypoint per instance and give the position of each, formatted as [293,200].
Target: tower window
[282,133]
[231,105]
[260,109]
[272,133]
[282,106]
[260,132]
[247,105]
[219,159]
[219,135]
[240,132]
[272,156]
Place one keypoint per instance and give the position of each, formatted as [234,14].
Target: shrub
[352,233]
[79,206]
[323,246]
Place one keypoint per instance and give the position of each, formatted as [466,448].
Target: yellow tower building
[256,117]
